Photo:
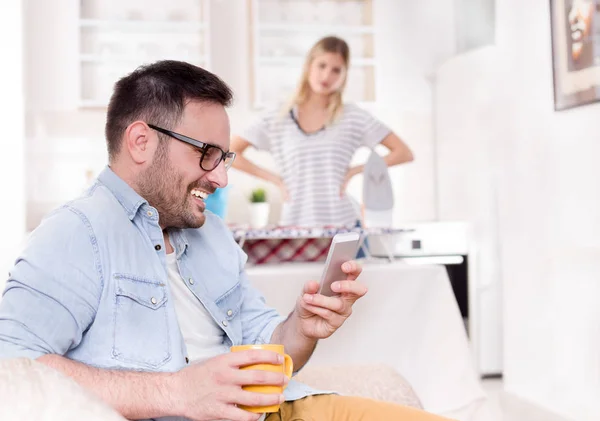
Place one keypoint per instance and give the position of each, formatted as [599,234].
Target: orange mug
[287,368]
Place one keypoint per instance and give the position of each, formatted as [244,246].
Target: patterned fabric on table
[287,250]
[294,244]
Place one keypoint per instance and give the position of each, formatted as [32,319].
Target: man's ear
[140,142]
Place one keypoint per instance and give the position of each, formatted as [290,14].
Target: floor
[509,408]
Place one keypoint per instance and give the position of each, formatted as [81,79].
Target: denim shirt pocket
[230,305]
[141,327]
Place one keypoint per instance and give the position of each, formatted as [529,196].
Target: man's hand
[320,316]
[211,390]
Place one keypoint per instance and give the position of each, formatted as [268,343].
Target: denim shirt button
[229,313]
[157,247]
[191,281]
[153,300]
[224,323]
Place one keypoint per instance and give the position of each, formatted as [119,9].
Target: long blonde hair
[328,44]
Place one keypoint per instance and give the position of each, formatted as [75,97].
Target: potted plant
[259,208]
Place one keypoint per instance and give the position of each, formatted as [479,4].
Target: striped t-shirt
[313,165]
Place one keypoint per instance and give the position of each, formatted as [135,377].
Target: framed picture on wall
[575,26]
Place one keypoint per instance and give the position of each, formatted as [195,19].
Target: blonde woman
[314,140]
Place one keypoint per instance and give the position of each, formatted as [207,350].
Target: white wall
[12,186]
[63,142]
[409,49]
[51,72]
[472,111]
[527,177]
[74,138]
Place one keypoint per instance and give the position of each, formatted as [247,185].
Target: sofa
[30,390]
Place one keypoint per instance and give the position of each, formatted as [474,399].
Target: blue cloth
[217,202]
[92,285]
[360,253]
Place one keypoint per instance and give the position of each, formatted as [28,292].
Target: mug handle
[288,366]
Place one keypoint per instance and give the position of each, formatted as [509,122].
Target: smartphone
[343,248]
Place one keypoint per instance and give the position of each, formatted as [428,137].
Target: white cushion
[375,381]
[30,390]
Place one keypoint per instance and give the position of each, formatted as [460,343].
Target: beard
[159,185]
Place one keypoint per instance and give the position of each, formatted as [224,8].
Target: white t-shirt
[313,165]
[202,336]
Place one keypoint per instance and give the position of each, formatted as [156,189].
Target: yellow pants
[347,408]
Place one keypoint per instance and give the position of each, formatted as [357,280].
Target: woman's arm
[399,153]
[241,163]
[239,145]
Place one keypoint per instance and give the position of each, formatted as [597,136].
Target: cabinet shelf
[110,46]
[142,26]
[316,28]
[119,60]
[282,32]
[295,61]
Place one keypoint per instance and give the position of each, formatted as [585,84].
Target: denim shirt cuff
[267,333]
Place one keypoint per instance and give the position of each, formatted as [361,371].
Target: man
[125,287]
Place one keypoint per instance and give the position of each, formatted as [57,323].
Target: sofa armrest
[379,382]
[30,390]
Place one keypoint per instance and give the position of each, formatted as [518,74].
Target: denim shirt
[92,285]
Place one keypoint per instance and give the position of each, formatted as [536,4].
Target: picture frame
[575,33]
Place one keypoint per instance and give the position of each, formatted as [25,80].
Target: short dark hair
[157,93]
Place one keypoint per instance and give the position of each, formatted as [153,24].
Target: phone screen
[343,248]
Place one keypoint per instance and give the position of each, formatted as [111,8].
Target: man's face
[580,21]
[174,183]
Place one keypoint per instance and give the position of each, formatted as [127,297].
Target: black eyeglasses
[211,155]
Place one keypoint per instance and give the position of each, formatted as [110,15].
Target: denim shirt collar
[132,202]
[125,194]
[178,240]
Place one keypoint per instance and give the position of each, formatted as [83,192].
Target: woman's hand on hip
[351,173]
[285,195]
